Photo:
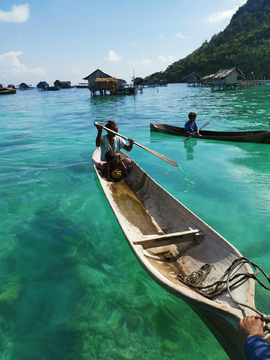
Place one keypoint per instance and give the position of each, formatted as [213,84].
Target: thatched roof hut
[228,76]
[99,80]
[63,84]
[207,80]
[97,74]
[42,85]
[24,86]
[109,83]
[194,78]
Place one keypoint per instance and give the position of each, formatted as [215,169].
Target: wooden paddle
[143,147]
[200,129]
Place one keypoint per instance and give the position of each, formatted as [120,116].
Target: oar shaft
[143,147]
[122,136]
[114,132]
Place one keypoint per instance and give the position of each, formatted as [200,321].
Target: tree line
[245,43]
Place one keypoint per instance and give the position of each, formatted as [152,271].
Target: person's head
[112,126]
[110,156]
[192,116]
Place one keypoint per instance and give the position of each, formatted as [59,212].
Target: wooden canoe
[168,239]
[256,136]
[7,91]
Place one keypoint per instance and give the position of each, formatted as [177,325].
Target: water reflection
[189,146]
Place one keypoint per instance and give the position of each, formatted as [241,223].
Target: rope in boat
[226,282]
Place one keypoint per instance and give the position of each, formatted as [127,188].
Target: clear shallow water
[70,286]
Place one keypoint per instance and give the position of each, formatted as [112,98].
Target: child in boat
[113,142]
[191,127]
[113,163]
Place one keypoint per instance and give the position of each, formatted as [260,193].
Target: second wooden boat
[7,91]
[179,250]
[82,86]
[256,136]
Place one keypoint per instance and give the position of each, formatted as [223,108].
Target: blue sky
[68,39]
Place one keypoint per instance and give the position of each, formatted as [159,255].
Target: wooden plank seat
[168,239]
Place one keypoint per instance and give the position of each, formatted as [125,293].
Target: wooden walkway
[244,84]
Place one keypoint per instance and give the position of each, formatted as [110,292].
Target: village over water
[101,83]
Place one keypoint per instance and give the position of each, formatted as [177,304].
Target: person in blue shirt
[251,332]
[191,127]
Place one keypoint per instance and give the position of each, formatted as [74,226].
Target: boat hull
[168,240]
[52,88]
[7,91]
[256,136]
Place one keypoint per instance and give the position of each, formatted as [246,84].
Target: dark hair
[111,124]
[110,155]
[191,115]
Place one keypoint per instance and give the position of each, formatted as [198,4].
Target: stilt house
[63,84]
[102,82]
[97,74]
[228,77]
[24,86]
[194,79]
[42,85]
[207,80]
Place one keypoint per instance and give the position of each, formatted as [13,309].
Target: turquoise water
[70,286]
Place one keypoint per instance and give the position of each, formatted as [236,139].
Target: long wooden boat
[256,136]
[7,91]
[170,242]
[82,86]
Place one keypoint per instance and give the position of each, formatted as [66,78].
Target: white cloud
[166,58]
[11,67]
[180,36]
[238,2]
[17,14]
[217,17]
[147,62]
[112,56]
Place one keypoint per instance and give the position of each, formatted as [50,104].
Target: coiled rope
[226,283]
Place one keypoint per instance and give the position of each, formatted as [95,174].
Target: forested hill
[245,43]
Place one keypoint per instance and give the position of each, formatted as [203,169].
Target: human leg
[101,165]
[127,162]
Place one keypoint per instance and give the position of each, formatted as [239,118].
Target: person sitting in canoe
[111,142]
[115,168]
[251,332]
[191,127]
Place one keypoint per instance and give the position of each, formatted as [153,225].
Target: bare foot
[250,326]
